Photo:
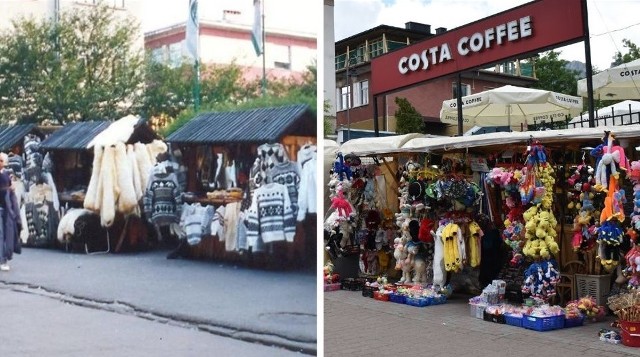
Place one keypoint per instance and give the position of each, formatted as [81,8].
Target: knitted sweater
[270,216]
[287,174]
[162,199]
[195,221]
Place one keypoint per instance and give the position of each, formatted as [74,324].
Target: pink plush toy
[341,205]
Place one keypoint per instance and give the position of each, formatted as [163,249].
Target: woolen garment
[308,193]
[10,214]
[270,216]
[163,199]
[231,217]
[287,174]
[195,220]
[241,229]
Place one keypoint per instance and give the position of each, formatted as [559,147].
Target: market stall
[233,160]
[72,153]
[549,168]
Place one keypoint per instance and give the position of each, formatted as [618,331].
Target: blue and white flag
[192,30]
[256,32]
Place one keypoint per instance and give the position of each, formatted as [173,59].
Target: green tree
[83,67]
[553,75]
[408,119]
[633,53]
[326,125]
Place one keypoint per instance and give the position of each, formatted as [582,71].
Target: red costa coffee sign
[530,28]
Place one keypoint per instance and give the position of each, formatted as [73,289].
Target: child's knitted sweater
[195,221]
[287,174]
[270,216]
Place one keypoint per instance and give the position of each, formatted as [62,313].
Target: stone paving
[359,326]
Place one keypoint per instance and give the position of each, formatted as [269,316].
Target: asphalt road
[204,299]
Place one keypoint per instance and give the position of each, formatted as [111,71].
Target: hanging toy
[341,169]
[475,238]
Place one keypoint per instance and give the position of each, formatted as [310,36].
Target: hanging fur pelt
[127,201]
[92,200]
[156,148]
[144,163]
[109,187]
[135,170]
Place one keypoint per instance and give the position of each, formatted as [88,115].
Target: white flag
[256,32]
[192,30]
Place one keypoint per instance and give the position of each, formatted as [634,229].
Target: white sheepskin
[66,226]
[156,148]
[24,233]
[144,163]
[127,200]
[118,131]
[135,170]
[438,258]
[109,182]
[92,200]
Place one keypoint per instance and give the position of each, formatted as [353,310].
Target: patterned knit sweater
[287,174]
[162,199]
[195,221]
[270,216]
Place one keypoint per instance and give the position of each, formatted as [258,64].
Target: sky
[610,21]
[278,13]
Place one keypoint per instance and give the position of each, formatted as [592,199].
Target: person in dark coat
[10,216]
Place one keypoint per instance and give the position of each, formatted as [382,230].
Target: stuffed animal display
[541,279]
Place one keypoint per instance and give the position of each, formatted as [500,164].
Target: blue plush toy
[340,168]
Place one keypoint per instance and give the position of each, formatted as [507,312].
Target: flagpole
[264,60]
[196,87]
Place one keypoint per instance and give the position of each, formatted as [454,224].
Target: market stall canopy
[11,135]
[616,83]
[74,136]
[375,145]
[511,106]
[247,126]
[502,138]
[623,113]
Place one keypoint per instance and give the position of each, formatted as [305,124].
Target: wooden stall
[72,167]
[236,136]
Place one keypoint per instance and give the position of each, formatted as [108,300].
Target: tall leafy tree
[633,53]
[553,74]
[408,119]
[83,67]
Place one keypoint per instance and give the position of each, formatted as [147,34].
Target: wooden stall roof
[10,135]
[247,126]
[76,136]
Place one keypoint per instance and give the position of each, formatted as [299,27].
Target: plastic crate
[419,302]
[477,310]
[367,291]
[543,323]
[579,321]
[596,286]
[630,332]
[500,319]
[397,298]
[332,287]
[378,295]
[440,299]
[513,320]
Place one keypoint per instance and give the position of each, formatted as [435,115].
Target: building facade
[222,42]
[352,68]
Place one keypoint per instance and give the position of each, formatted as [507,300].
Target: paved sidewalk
[359,326]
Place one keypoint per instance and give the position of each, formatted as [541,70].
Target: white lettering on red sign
[468,45]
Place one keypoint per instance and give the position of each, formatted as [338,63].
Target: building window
[360,93]
[466,89]
[376,48]
[175,54]
[343,98]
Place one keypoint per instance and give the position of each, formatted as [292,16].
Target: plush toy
[329,276]
[341,205]
[341,169]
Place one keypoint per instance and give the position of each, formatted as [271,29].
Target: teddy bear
[401,254]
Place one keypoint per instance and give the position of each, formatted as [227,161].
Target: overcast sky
[610,21]
[293,15]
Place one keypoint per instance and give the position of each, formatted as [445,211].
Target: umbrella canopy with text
[616,83]
[512,106]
